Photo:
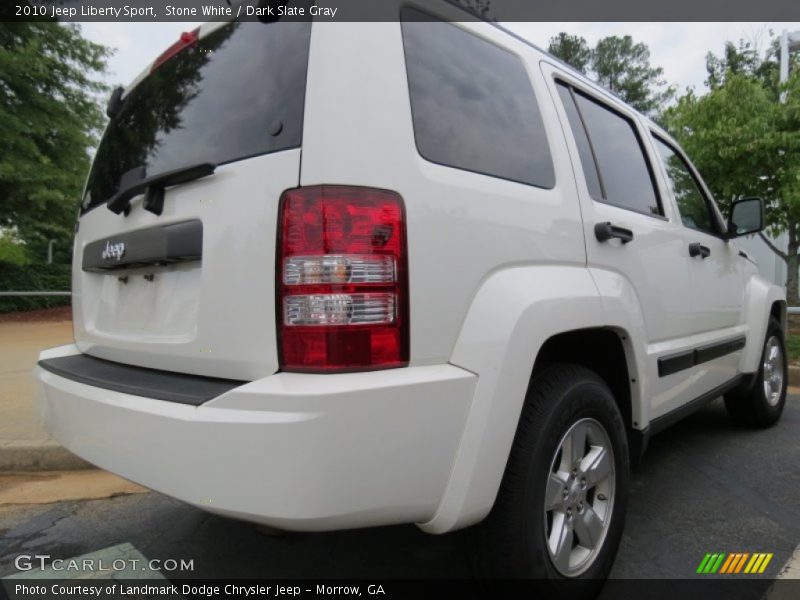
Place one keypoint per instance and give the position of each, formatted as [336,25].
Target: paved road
[706,485]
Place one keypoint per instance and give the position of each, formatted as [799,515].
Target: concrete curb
[794,376]
[45,456]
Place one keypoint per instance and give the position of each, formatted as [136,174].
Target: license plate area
[147,304]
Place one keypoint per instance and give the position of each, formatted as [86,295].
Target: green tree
[572,49]
[50,119]
[620,65]
[744,59]
[746,143]
[623,66]
[11,250]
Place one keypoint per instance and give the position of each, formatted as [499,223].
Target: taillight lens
[342,280]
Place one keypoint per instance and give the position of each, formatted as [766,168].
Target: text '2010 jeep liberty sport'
[407,272]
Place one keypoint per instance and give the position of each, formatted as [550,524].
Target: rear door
[192,289]
[617,190]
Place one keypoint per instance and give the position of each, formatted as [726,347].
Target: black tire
[512,540]
[750,405]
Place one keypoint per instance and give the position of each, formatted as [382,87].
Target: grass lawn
[793,347]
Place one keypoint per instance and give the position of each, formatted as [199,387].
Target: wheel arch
[520,316]
[607,352]
[600,349]
[763,300]
[779,311]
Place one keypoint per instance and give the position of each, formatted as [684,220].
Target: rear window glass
[218,101]
[472,103]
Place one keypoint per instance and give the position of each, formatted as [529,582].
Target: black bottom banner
[649,589]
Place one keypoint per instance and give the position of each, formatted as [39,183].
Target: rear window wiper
[135,182]
[114,102]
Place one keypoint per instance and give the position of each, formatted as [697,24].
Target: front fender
[760,295]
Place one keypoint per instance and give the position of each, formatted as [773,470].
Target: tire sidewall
[769,414]
[586,399]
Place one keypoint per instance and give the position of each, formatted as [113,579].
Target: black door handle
[605,231]
[697,249]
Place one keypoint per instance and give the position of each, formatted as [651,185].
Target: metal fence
[35,294]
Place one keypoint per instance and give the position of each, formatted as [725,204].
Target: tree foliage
[42,278]
[11,250]
[623,66]
[50,118]
[573,50]
[620,65]
[747,143]
[744,59]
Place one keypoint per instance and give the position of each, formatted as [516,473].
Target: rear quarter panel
[463,227]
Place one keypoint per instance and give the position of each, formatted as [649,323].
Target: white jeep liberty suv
[336,275]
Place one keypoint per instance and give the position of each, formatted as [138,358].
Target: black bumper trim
[139,381]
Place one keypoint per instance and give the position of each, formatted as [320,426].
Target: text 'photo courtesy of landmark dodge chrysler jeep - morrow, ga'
[415,271]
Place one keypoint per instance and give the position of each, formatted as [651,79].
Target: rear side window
[613,153]
[582,141]
[472,103]
[218,101]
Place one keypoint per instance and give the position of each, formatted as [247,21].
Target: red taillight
[342,280]
[188,38]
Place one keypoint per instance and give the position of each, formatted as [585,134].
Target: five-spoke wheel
[773,370]
[759,401]
[561,506]
[579,498]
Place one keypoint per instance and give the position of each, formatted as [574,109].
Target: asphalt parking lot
[705,485]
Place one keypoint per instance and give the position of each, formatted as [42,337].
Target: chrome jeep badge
[113,251]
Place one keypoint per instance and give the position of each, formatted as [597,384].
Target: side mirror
[747,216]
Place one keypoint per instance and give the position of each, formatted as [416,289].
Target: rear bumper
[295,451]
